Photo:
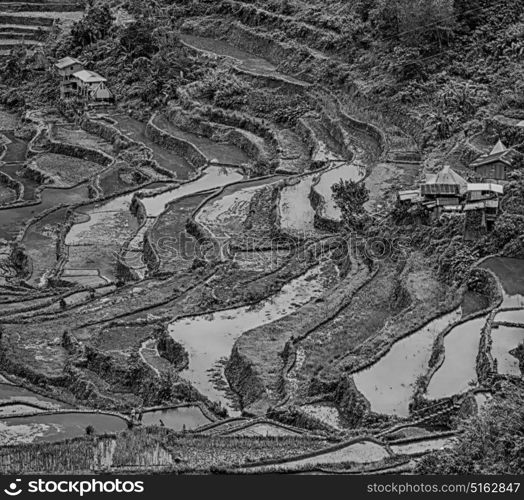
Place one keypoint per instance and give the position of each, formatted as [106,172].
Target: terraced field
[28,23]
[184,271]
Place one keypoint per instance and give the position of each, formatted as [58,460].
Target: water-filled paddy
[458,370]
[345,171]
[213,177]
[515,316]
[388,388]
[183,417]
[506,339]
[209,338]
[296,212]
[511,275]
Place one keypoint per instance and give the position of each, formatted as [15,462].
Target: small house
[484,197]
[493,166]
[443,190]
[91,86]
[409,196]
[448,192]
[66,68]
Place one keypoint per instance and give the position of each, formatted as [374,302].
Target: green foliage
[455,262]
[462,97]
[223,89]
[491,443]
[507,227]
[137,38]
[350,197]
[94,26]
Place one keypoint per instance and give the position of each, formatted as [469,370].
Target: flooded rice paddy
[511,275]
[389,389]
[504,340]
[212,177]
[297,215]
[209,338]
[346,172]
[458,371]
[514,316]
[177,419]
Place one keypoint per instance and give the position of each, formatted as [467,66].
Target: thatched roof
[498,148]
[498,153]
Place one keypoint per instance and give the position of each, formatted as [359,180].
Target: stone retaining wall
[80,152]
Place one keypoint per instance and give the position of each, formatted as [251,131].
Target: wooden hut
[494,165]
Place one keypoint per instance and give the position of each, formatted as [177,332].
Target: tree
[94,26]
[350,197]
[137,38]
[491,442]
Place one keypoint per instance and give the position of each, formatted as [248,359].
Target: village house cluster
[78,82]
[447,191]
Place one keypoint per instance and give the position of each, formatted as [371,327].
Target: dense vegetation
[491,443]
[441,66]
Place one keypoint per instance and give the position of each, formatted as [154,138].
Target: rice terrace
[258,236]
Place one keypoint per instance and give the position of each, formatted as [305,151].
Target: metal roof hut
[444,191]
[92,86]
[494,165]
[446,183]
